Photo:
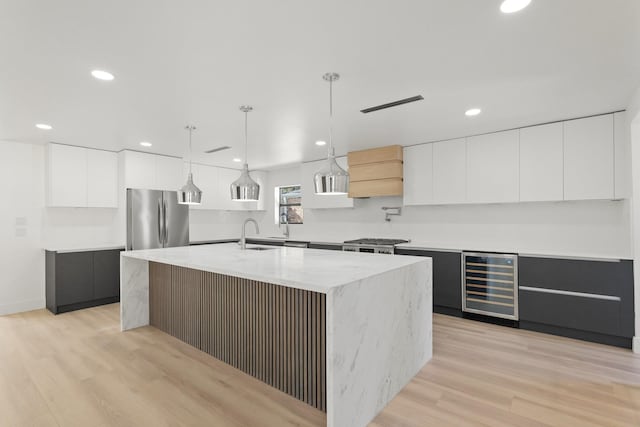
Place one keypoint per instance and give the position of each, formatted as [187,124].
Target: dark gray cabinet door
[106,274]
[325,246]
[447,276]
[593,296]
[74,277]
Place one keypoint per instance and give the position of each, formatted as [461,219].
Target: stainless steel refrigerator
[156,220]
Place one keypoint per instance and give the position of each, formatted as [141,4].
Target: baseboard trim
[636,344]
[22,306]
[623,342]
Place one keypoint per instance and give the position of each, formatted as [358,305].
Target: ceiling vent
[392,104]
[215,150]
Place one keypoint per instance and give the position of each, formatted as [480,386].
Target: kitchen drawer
[595,277]
[447,276]
[602,316]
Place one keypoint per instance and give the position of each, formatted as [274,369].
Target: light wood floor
[78,369]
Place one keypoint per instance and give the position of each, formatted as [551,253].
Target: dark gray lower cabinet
[584,299]
[447,279]
[76,280]
[325,246]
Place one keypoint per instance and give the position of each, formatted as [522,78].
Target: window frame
[279,205]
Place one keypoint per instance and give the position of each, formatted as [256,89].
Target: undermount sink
[261,248]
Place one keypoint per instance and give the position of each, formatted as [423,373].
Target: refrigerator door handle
[164,219]
[160,223]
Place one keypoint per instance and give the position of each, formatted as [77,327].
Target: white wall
[633,115]
[589,228]
[21,256]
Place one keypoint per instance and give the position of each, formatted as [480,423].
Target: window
[289,205]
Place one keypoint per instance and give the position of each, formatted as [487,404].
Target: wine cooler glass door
[490,284]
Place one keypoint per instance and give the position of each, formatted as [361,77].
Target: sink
[261,248]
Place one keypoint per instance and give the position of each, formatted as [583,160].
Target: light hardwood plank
[78,369]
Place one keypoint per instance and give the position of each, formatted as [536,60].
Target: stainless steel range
[376,246]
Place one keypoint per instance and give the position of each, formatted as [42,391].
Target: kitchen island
[343,332]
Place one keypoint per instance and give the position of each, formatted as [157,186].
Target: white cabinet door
[588,158]
[261,178]
[541,177]
[139,170]
[225,178]
[102,179]
[206,178]
[450,171]
[418,175]
[67,176]
[492,167]
[313,201]
[622,161]
[168,173]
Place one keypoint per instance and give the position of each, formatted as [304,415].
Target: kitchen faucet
[286,226]
[391,211]
[243,239]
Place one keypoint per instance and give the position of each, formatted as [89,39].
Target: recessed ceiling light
[511,6]
[102,75]
[44,126]
[146,144]
[237,160]
[321,143]
[473,112]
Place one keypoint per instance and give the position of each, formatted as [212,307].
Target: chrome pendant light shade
[245,189]
[331,179]
[190,194]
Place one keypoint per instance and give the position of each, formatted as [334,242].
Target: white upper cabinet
[541,176]
[622,159]
[139,170]
[450,171]
[261,178]
[102,179]
[589,158]
[311,200]
[492,167]
[81,177]
[168,173]
[152,172]
[67,176]
[418,175]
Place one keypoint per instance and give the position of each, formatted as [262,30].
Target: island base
[273,333]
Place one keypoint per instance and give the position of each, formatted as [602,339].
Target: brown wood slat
[273,333]
[376,188]
[373,171]
[374,155]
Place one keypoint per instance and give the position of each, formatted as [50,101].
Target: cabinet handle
[570,293]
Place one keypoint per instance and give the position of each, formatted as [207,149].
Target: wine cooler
[490,284]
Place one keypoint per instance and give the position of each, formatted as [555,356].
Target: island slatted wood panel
[274,333]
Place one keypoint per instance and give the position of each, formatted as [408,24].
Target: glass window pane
[294,214]
[289,205]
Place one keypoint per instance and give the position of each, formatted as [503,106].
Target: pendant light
[189,194]
[331,179]
[245,189]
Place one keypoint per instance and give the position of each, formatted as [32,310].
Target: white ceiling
[197,61]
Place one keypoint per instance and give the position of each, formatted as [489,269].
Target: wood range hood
[376,172]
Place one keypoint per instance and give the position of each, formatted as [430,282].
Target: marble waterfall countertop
[309,269]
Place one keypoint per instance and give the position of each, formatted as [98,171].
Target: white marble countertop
[310,269]
[85,248]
